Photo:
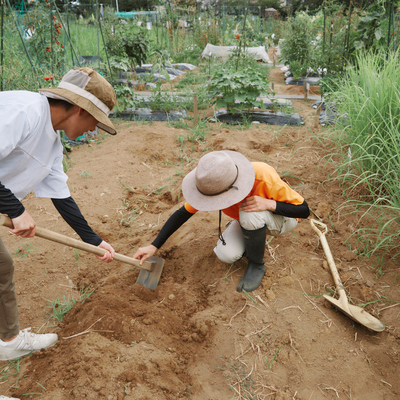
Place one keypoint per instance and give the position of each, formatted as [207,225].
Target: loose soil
[194,336]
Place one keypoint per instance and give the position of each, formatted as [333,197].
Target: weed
[237,374]
[86,174]
[180,124]
[23,250]
[181,141]
[127,188]
[273,358]
[11,368]
[77,254]
[60,307]
[66,164]
[244,292]
[41,386]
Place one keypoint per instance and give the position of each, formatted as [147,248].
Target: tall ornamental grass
[369,138]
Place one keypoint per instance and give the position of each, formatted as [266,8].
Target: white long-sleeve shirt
[31,152]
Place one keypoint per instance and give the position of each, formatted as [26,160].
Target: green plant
[60,307]
[86,174]
[45,43]
[237,89]
[369,33]
[23,250]
[297,69]
[297,43]
[190,54]
[126,98]
[161,61]
[238,375]
[368,140]
[163,101]
[330,84]
[10,368]
[137,46]
[269,366]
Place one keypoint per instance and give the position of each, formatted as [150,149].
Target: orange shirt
[267,184]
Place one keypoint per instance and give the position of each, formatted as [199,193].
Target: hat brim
[244,184]
[103,122]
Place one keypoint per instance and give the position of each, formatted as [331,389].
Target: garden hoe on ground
[357,314]
[150,271]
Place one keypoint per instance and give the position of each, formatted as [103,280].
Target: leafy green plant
[369,33]
[297,43]
[190,54]
[330,84]
[163,101]
[237,89]
[45,42]
[130,41]
[126,98]
[297,69]
[137,46]
[161,61]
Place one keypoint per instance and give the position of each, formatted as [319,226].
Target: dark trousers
[9,325]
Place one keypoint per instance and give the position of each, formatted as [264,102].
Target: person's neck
[59,116]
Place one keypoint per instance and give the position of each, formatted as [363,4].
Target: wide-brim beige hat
[87,89]
[220,180]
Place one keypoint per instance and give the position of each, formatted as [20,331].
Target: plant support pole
[65,30]
[23,43]
[105,49]
[97,31]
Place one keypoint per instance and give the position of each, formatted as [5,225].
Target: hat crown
[92,82]
[215,173]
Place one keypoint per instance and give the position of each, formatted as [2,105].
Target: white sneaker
[8,398]
[25,343]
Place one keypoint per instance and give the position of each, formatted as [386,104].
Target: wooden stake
[305,90]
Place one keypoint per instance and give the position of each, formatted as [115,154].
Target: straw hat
[221,179]
[89,90]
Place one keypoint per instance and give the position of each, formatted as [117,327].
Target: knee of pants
[252,221]
[234,244]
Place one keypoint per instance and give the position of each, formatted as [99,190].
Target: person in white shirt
[31,155]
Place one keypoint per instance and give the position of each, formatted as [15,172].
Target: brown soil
[194,336]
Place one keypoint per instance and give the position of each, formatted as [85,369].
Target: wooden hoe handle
[77,244]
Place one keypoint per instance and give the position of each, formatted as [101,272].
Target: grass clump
[368,136]
[60,307]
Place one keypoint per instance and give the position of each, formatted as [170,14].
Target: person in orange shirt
[252,194]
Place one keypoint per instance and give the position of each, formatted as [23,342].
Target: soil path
[194,336]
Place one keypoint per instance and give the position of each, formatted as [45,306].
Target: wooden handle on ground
[316,225]
[77,244]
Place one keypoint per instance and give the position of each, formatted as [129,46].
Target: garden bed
[267,117]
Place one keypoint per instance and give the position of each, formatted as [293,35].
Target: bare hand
[145,252]
[109,255]
[257,203]
[24,225]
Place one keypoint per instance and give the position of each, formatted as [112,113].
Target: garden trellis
[50,41]
[41,41]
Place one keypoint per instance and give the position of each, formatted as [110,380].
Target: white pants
[233,250]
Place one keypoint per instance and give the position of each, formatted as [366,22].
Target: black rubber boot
[254,243]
